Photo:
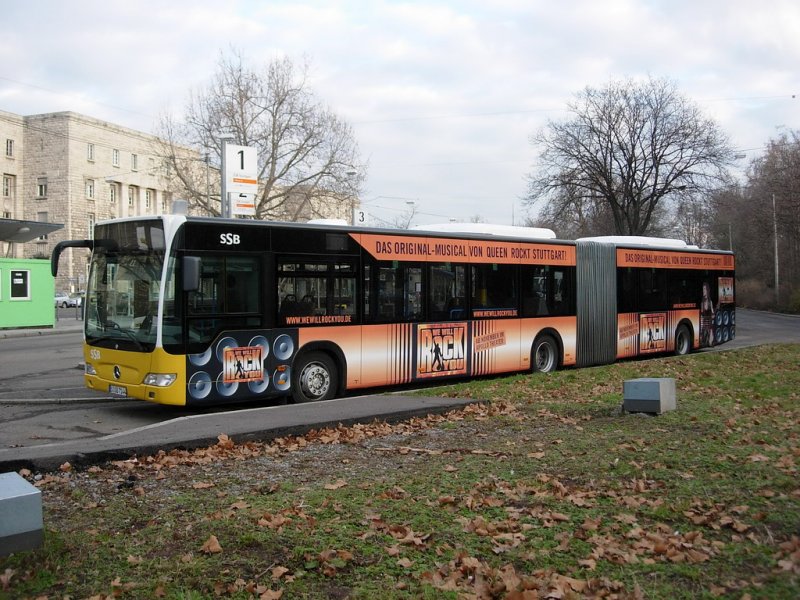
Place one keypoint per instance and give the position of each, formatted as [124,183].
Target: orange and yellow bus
[189,310]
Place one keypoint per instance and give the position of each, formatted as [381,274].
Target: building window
[115,157]
[6,214]
[90,152]
[90,223]
[112,193]
[148,199]
[90,189]
[41,187]
[6,187]
[134,162]
[9,147]
[131,196]
[42,217]
[20,285]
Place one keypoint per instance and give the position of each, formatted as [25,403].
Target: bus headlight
[160,379]
[89,369]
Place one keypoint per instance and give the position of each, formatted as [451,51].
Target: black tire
[314,378]
[683,341]
[544,357]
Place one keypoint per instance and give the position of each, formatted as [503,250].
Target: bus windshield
[124,282]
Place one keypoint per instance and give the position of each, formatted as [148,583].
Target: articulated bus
[191,311]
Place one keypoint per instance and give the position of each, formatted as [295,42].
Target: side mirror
[191,273]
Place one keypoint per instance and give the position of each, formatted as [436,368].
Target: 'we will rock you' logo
[442,349]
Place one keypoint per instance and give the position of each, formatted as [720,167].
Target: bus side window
[652,289]
[315,288]
[412,294]
[446,291]
[534,291]
[627,285]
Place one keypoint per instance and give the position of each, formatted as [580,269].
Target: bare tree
[404,220]
[572,215]
[630,145]
[772,200]
[308,163]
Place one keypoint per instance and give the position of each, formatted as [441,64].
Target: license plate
[118,390]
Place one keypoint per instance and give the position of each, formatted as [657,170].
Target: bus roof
[538,233]
[638,240]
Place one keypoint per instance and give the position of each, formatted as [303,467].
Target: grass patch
[548,489]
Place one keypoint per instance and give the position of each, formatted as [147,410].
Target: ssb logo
[229,239]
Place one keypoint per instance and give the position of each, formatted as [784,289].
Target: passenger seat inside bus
[291,307]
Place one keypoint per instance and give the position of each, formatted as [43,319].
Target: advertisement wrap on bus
[190,310]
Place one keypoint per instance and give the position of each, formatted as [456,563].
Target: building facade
[72,169]
[76,170]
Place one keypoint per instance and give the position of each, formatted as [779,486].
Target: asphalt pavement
[64,324]
[200,430]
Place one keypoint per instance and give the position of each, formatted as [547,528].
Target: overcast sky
[442,96]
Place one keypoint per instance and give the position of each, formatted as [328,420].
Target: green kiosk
[27,287]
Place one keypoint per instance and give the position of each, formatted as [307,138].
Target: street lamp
[351,175]
[775,235]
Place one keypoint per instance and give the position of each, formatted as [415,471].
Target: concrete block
[21,525]
[654,395]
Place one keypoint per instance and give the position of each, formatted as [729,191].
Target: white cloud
[443,95]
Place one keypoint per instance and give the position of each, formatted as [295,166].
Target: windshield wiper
[129,334]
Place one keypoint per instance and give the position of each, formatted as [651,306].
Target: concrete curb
[197,431]
[35,332]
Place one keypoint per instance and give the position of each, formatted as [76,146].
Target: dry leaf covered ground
[546,491]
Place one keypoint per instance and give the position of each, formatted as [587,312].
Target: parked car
[76,298]
[64,300]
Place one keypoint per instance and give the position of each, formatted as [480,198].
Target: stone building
[75,170]
[69,168]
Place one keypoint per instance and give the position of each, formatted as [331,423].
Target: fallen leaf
[339,483]
[211,545]
[5,579]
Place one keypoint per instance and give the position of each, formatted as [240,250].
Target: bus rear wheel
[314,378]
[545,355]
[683,341]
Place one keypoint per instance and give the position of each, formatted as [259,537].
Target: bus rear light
[160,379]
[89,369]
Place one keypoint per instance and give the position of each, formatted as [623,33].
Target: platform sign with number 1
[241,169]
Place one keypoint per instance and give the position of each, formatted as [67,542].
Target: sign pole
[223,199]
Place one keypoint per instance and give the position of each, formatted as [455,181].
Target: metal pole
[208,182]
[223,199]
[775,234]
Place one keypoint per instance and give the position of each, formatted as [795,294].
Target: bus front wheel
[545,355]
[314,378]
[683,341]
